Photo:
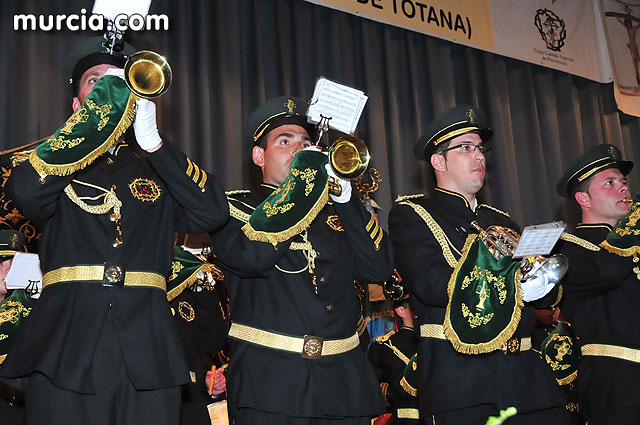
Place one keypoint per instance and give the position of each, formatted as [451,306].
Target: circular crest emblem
[551,29]
[145,190]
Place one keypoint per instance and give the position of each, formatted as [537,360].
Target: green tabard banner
[624,239]
[485,300]
[291,208]
[91,130]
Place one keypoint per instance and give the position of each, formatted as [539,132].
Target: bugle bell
[349,157]
[502,241]
[147,74]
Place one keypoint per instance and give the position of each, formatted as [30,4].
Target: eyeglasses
[468,148]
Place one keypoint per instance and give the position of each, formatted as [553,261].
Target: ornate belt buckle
[513,346]
[312,347]
[113,275]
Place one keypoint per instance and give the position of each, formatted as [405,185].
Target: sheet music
[539,239]
[112,8]
[24,272]
[342,103]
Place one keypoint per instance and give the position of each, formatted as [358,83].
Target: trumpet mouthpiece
[627,200]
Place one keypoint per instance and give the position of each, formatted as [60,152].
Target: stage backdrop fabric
[229,56]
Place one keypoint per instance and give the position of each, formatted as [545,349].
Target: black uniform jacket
[449,380]
[269,289]
[60,338]
[389,355]
[601,300]
[202,328]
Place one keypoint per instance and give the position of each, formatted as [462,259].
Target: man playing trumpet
[291,254]
[602,288]
[100,345]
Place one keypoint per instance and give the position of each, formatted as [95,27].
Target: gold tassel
[408,388]
[569,379]
[623,252]
[43,168]
[275,237]
[205,268]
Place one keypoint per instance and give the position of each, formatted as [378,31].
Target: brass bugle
[147,74]
[349,157]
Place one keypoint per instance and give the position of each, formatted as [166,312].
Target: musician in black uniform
[15,307]
[601,290]
[389,355]
[101,345]
[428,236]
[294,352]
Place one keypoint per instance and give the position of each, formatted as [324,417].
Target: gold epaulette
[579,241]
[506,214]
[234,211]
[401,198]
[383,338]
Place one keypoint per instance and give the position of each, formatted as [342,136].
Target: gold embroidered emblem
[271,210]
[14,241]
[78,116]
[186,311]
[471,115]
[486,278]
[145,190]
[563,349]
[333,221]
[612,152]
[290,105]
[308,175]
[101,111]
[13,311]
[176,268]
[61,143]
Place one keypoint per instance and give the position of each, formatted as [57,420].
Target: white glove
[145,127]
[345,196]
[534,289]
[118,72]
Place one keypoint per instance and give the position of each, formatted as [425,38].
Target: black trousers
[622,416]
[247,416]
[478,415]
[116,401]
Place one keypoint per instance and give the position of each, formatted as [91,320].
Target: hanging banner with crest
[622,22]
[564,35]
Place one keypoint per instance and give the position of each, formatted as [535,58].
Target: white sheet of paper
[342,103]
[25,270]
[112,8]
[539,239]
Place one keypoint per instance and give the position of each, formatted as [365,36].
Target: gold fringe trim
[408,388]
[190,280]
[275,237]
[579,241]
[438,233]
[623,252]
[501,339]
[43,168]
[569,379]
